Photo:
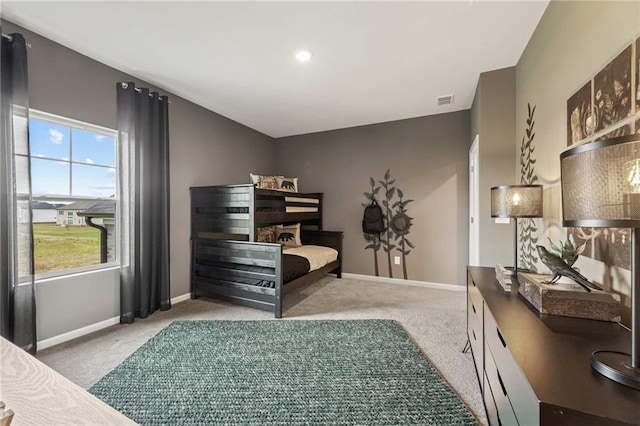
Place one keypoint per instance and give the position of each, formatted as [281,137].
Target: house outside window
[74,172]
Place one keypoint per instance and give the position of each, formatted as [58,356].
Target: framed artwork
[620,131]
[611,246]
[601,104]
[612,91]
[637,79]
[580,118]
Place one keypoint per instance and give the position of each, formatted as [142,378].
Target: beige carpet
[435,319]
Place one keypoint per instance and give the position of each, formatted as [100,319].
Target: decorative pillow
[288,236]
[265,182]
[267,234]
[287,184]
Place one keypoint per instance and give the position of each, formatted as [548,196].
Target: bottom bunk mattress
[296,262]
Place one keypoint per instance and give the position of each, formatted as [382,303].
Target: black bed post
[277,303]
[320,227]
[194,233]
[339,248]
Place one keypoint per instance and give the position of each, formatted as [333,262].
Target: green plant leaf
[372,182]
[409,243]
[375,191]
[387,174]
[369,246]
[400,194]
[554,247]
[390,193]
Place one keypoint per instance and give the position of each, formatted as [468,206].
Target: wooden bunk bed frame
[224,228]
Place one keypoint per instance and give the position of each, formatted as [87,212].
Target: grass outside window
[64,247]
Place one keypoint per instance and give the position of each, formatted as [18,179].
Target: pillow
[288,236]
[287,184]
[265,182]
[266,234]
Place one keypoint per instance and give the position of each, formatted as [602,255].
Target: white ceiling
[373,61]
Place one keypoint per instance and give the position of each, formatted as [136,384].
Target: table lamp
[601,188]
[516,201]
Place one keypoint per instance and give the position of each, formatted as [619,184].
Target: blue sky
[62,156]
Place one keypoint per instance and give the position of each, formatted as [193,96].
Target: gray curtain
[17,288]
[143,132]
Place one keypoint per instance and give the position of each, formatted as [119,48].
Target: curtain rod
[8,37]
[138,90]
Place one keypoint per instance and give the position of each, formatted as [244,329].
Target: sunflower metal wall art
[398,224]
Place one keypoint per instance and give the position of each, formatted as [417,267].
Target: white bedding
[318,256]
[294,209]
[294,199]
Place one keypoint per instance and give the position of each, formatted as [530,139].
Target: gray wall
[429,158]
[475,114]
[573,41]
[493,118]
[205,148]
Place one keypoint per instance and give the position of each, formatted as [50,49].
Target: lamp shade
[601,184]
[516,201]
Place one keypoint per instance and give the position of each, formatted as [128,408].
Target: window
[74,175]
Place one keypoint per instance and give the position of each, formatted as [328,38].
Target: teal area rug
[364,372]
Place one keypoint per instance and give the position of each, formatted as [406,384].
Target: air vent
[445,100]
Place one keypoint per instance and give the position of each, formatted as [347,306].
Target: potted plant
[568,250]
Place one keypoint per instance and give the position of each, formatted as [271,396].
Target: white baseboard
[74,334]
[181,298]
[425,284]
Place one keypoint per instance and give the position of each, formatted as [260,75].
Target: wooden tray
[568,299]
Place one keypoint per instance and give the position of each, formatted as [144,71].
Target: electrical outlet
[396,260]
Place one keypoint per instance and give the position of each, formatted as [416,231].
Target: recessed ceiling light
[303,55]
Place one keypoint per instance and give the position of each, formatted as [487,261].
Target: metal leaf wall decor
[528,229]
[398,223]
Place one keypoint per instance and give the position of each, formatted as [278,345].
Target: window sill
[56,275]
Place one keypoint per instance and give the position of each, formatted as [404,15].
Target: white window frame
[68,122]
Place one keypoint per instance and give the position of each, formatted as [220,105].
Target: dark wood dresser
[536,369]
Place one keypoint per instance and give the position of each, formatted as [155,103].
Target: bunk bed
[228,261]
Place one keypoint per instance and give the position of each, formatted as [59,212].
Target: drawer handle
[474,308]
[474,335]
[504,390]
[501,338]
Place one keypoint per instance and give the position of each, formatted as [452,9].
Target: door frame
[474,202]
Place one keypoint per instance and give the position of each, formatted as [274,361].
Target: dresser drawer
[495,383]
[521,396]
[489,403]
[474,331]
[474,292]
